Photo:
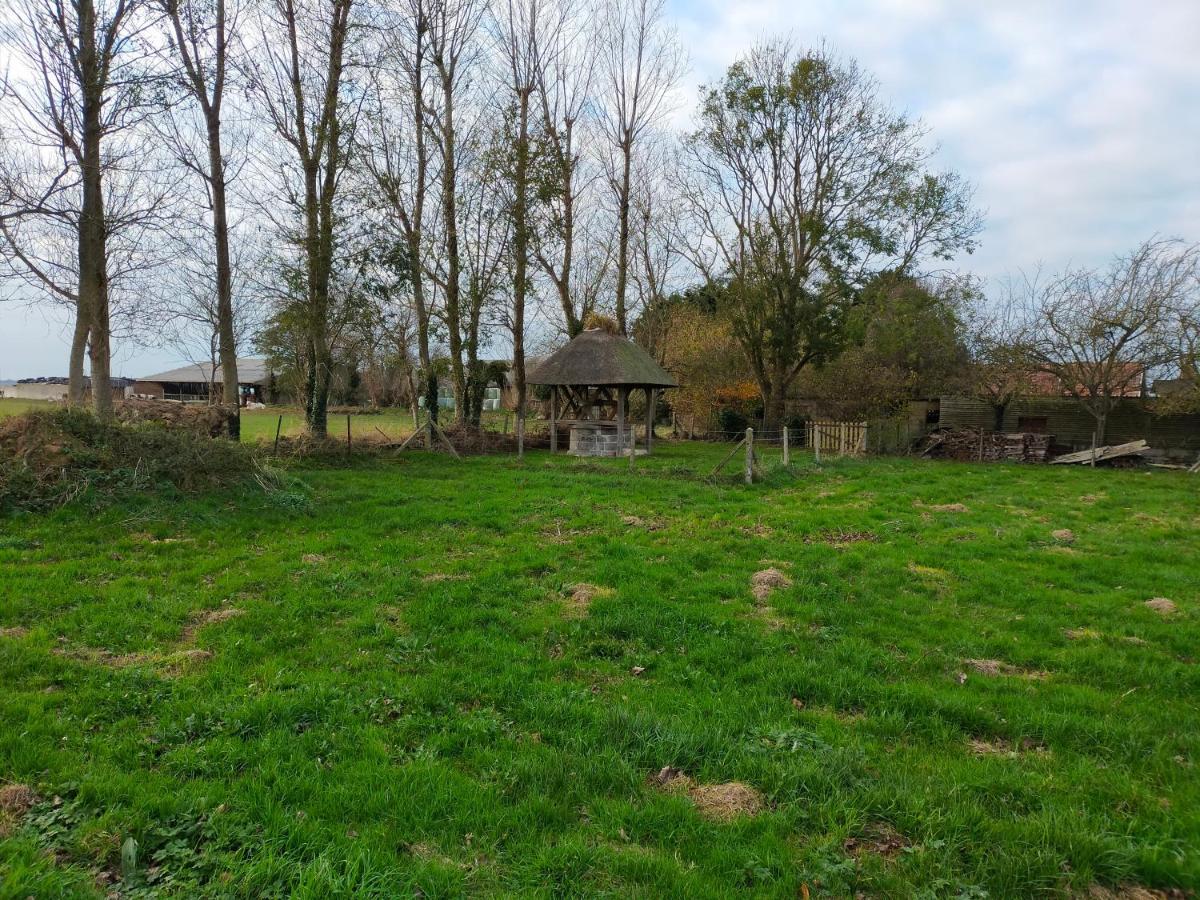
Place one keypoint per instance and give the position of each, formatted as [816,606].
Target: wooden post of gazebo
[554,418]
[651,398]
[622,393]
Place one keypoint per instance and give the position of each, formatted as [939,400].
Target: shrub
[730,420]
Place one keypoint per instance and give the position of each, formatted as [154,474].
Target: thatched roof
[599,359]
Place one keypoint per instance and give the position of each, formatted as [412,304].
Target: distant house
[194,384]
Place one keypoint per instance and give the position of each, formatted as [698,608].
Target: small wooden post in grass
[787,456]
[278,426]
[749,456]
[816,426]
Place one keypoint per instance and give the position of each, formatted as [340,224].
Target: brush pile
[196,418]
[52,457]
[972,444]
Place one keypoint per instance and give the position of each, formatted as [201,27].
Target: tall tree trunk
[93,264]
[79,346]
[520,249]
[453,259]
[623,193]
[226,340]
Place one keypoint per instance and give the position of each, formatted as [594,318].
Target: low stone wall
[598,440]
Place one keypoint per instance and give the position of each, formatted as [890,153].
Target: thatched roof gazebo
[590,380]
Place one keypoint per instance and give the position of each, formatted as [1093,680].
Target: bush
[50,458]
[730,420]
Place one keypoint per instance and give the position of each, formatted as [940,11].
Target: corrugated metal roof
[250,371]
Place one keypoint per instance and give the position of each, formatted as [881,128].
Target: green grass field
[258,425]
[386,680]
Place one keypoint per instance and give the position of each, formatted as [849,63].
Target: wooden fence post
[520,434]
[1093,449]
[817,441]
[787,458]
[278,425]
[749,456]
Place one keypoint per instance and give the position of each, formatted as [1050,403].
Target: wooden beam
[553,419]
[621,395]
[651,398]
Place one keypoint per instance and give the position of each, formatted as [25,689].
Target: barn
[194,383]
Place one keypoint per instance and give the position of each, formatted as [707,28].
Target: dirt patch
[1133,892]
[722,802]
[840,538]
[639,522]
[1005,748]
[208,617]
[764,583]
[559,535]
[1082,634]
[1136,641]
[1162,606]
[434,577]
[1063,535]
[579,601]
[878,839]
[15,801]
[758,529]
[16,631]
[993,668]
[1093,498]
[942,507]
[312,559]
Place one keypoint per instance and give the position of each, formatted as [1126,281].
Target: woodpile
[972,444]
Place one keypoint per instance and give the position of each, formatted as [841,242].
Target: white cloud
[1079,122]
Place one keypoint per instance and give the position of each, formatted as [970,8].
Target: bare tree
[805,185]
[396,150]
[519,24]
[299,79]
[200,35]
[1098,332]
[565,77]
[640,62]
[86,86]
[452,35]
[999,370]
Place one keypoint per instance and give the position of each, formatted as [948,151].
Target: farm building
[54,389]
[193,384]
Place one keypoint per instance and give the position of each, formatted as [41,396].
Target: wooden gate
[842,438]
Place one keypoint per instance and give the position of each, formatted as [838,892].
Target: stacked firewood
[989,446]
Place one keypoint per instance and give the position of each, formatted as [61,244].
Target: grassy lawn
[387,679]
[259,424]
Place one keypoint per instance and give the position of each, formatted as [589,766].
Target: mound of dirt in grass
[579,601]
[722,802]
[51,457]
[1063,535]
[993,668]
[1133,892]
[764,583]
[942,507]
[1162,606]
[15,801]
[878,839]
[841,538]
[1005,748]
[208,617]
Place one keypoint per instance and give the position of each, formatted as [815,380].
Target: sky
[1078,122]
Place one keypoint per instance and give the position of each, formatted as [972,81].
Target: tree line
[396,187]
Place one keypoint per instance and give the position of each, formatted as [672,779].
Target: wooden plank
[1100,454]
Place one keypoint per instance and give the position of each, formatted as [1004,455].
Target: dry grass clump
[721,802]
[877,838]
[765,582]
[580,599]
[993,668]
[1162,606]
